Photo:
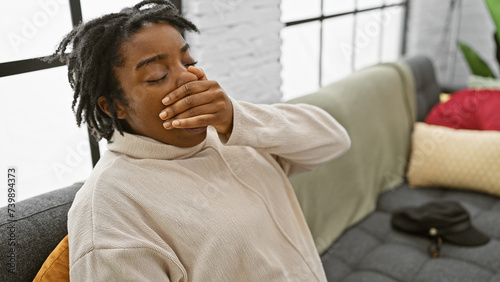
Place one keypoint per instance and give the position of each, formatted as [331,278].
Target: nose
[185,77]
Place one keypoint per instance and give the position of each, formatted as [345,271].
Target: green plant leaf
[494,8]
[476,64]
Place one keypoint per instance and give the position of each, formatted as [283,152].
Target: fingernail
[167,124]
[165,100]
[176,123]
[163,115]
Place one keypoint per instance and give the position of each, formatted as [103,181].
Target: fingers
[217,114]
[198,72]
[191,122]
[222,125]
[188,103]
[198,104]
[185,90]
[204,109]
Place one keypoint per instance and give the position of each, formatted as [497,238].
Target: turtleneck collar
[141,147]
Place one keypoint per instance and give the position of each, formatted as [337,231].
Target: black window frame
[323,17]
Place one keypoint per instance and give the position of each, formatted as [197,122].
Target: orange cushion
[56,266]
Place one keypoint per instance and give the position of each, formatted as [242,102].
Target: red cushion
[468,109]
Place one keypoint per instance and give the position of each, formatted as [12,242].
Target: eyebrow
[185,48]
[158,57]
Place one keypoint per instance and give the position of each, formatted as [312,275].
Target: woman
[194,186]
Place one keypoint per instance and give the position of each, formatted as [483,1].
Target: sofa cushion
[56,267]
[454,158]
[41,223]
[468,109]
[480,82]
[373,251]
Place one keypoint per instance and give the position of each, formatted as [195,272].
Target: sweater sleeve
[132,264]
[301,137]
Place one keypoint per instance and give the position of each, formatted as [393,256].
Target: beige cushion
[479,82]
[455,158]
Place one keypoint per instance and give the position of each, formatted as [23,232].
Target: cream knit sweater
[223,210]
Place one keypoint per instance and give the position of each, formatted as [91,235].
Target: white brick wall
[427,35]
[239,45]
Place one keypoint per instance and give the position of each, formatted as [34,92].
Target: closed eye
[157,80]
[191,64]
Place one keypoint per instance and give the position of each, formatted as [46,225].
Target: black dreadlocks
[95,50]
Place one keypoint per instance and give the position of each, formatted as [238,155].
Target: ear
[119,107]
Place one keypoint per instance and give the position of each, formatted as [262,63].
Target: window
[38,129]
[326,40]
[31,23]
[38,132]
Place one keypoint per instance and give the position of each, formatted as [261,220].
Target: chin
[191,137]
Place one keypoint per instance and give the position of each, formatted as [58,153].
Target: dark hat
[445,219]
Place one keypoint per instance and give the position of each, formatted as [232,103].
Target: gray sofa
[368,250]
[372,251]
[40,226]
